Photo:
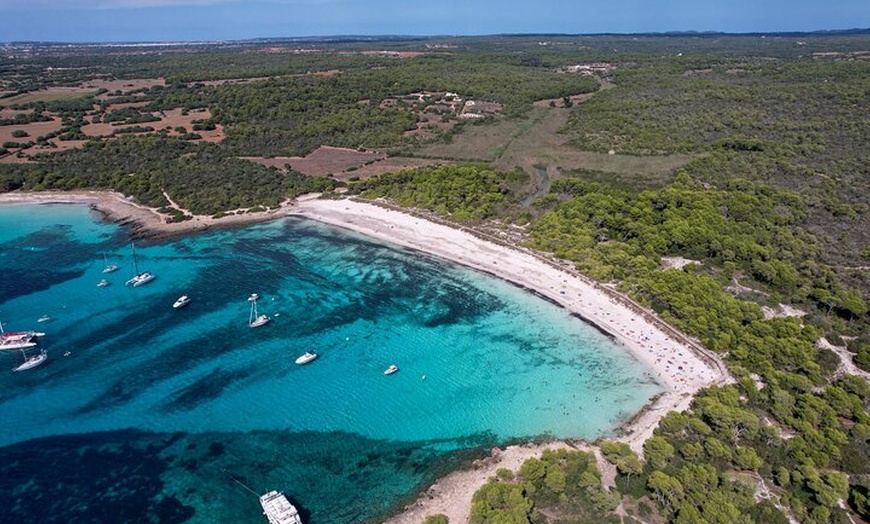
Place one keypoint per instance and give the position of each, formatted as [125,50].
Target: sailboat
[141,278]
[255,320]
[109,267]
[31,362]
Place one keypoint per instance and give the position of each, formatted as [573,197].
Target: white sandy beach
[680,365]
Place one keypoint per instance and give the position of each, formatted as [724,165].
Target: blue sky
[174,20]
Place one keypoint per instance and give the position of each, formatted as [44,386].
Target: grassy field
[535,140]
[52,94]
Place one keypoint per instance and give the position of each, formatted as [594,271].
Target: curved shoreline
[678,363]
[681,365]
[143,221]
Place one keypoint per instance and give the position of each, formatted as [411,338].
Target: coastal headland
[678,363]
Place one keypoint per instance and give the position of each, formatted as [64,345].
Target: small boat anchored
[109,267]
[31,362]
[306,358]
[44,318]
[278,509]
[255,319]
[392,369]
[182,301]
[103,283]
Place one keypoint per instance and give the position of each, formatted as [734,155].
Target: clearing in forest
[535,140]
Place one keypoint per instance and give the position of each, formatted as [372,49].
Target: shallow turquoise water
[175,401]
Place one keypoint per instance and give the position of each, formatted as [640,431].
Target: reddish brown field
[33,130]
[169,120]
[324,161]
[344,164]
[392,165]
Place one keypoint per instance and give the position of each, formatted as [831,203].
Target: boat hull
[278,509]
[181,302]
[17,344]
[306,358]
[262,320]
[32,362]
[141,279]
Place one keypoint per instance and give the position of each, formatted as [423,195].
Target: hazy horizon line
[396,36]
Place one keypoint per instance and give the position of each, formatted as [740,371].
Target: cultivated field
[171,121]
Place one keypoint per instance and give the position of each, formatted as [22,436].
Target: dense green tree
[500,504]
[667,490]
[658,452]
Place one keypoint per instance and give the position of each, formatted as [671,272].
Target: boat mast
[135,265]
[253,315]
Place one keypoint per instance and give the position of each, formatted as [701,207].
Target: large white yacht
[278,509]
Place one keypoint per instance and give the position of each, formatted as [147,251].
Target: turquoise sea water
[154,409]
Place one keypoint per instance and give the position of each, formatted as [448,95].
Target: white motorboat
[392,369]
[31,362]
[141,278]
[255,319]
[44,318]
[182,301]
[278,509]
[306,358]
[103,283]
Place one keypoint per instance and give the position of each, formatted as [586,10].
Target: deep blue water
[155,408]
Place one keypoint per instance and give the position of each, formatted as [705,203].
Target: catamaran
[11,343]
[141,278]
[31,362]
[18,339]
[278,509]
[255,319]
